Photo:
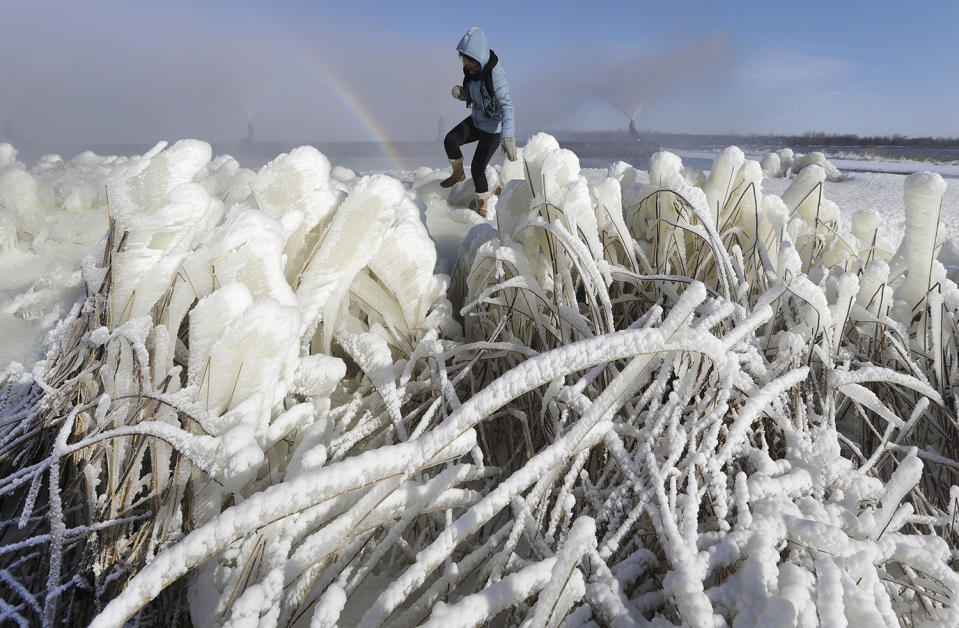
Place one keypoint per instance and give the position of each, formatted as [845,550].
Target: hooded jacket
[492,113]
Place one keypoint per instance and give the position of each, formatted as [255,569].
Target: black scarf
[485,75]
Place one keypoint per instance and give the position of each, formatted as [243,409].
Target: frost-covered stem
[21,591]
[328,609]
[582,539]
[830,593]
[564,496]
[751,410]
[547,369]
[57,525]
[521,514]
[277,501]
[431,490]
[604,593]
[475,609]
[466,567]
[8,610]
[684,584]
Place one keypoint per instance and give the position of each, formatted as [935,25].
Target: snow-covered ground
[846,163]
[305,395]
[898,166]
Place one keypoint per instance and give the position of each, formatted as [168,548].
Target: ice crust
[337,408]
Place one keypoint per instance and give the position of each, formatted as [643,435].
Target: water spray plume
[631,81]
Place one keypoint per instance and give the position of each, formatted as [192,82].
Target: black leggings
[464,133]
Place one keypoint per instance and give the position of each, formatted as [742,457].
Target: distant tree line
[812,139]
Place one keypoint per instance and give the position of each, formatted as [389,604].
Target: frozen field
[710,393]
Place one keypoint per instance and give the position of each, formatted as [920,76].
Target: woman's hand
[509,147]
[459,93]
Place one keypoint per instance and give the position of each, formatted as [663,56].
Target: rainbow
[345,94]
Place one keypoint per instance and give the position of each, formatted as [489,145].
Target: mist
[106,72]
[141,77]
[112,73]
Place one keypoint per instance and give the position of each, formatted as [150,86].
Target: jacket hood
[474,45]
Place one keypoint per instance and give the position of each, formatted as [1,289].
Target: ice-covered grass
[50,217]
[666,397]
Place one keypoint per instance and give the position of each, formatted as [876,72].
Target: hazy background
[100,72]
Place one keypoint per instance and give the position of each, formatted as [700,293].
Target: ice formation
[784,162]
[663,397]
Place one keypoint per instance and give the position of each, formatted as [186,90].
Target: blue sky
[111,71]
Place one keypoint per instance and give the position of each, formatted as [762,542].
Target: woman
[485,90]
